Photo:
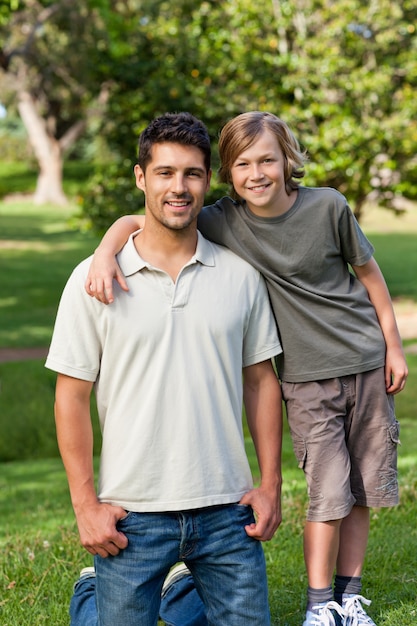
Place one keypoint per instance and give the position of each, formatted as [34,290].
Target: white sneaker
[88,571]
[178,571]
[325,614]
[355,613]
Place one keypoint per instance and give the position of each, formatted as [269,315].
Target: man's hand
[267,510]
[98,532]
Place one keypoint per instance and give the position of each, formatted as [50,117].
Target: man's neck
[167,249]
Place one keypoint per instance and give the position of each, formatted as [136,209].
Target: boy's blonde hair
[242,131]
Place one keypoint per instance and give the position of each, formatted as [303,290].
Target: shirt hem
[182,505]
[332,373]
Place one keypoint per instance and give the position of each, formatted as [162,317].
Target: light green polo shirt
[167,360]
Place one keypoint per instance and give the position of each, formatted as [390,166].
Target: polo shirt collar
[130,262]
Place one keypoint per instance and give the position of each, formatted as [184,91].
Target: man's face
[174,183]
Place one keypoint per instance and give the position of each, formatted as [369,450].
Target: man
[166,362]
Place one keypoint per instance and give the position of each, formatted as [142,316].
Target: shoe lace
[355,612]
[324,616]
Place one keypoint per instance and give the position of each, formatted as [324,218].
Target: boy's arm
[396,370]
[96,521]
[263,404]
[104,267]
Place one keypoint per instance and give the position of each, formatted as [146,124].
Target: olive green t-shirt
[328,326]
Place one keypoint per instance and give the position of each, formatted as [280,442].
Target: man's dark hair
[182,128]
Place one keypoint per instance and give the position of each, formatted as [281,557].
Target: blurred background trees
[87,77]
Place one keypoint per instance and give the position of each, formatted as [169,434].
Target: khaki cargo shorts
[345,438]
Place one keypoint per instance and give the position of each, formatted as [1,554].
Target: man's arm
[263,403]
[396,370]
[104,267]
[96,521]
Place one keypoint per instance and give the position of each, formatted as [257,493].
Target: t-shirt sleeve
[356,248]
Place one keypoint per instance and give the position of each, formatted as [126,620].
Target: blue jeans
[228,570]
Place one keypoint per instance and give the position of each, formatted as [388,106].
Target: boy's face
[258,177]
[175,183]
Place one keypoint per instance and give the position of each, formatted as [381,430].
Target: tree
[341,74]
[51,56]
[353,72]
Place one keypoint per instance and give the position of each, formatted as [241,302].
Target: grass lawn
[40,555]
[39,551]
[38,249]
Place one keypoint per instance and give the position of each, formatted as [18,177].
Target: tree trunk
[48,153]
[49,184]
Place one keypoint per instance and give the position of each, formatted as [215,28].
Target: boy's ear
[140,177]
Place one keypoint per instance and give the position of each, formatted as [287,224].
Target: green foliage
[110,194]
[342,76]
[6,8]
[13,140]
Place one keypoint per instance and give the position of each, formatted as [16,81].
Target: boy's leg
[316,415]
[321,545]
[373,437]
[354,533]
[370,438]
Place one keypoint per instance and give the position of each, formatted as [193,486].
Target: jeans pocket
[243,513]
[124,519]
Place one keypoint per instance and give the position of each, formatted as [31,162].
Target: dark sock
[317,596]
[346,584]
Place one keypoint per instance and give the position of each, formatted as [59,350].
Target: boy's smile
[258,177]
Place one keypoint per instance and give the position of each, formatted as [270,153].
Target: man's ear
[140,177]
[209,173]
